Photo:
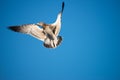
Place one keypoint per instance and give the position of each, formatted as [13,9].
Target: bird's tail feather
[59,40]
[50,44]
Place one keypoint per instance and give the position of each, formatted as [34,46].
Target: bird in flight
[48,33]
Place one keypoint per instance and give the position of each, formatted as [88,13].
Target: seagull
[48,33]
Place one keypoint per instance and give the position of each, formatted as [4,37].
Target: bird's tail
[59,40]
[50,44]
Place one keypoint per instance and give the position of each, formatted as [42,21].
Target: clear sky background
[90,49]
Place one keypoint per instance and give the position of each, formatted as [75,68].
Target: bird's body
[48,33]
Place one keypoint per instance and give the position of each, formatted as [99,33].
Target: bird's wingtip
[14,28]
[62,6]
[63,3]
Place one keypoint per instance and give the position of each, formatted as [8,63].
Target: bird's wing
[57,23]
[30,29]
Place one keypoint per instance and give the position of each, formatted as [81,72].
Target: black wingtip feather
[15,28]
[63,4]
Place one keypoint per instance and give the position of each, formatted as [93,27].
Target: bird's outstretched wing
[57,23]
[30,29]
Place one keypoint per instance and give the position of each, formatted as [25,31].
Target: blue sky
[91,41]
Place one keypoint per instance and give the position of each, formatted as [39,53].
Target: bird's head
[41,24]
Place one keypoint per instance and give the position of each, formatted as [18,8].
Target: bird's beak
[40,24]
[37,23]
